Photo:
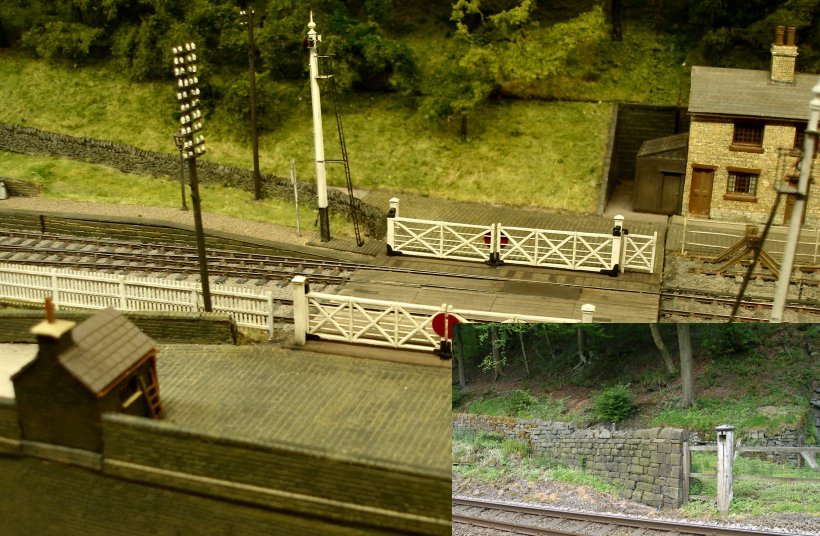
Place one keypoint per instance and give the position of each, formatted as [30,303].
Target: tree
[686,372]
[659,344]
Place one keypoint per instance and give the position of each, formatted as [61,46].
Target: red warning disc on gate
[438,324]
[503,239]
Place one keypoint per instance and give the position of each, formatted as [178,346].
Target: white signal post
[809,146]
[313,40]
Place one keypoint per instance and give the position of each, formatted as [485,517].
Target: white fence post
[122,292]
[391,224]
[300,310]
[725,459]
[271,311]
[587,311]
[194,300]
[55,290]
[617,244]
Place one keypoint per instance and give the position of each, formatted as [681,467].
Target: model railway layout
[508,518]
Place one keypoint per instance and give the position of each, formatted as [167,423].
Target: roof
[749,93]
[106,346]
[674,142]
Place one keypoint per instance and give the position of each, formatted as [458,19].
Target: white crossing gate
[441,240]
[639,252]
[555,249]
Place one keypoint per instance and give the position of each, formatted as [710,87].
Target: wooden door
[671,189]
[700,193]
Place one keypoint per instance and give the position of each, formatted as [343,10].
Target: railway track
[696,304]
[498,517]
[99,254]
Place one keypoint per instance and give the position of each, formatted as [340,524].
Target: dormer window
[748,136]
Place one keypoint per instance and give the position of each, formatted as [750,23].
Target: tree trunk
[463,127]
[524,354]
[659,344]
[615,19]
[498,366]
[547,339]
[4,42]
[686,373]
[582,347]
[459,351]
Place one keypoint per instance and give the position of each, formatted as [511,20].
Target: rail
[496,243]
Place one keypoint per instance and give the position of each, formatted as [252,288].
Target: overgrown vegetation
[755,497]
[614,404]
[488,457]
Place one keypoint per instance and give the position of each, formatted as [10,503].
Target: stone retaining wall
[645,465]
[26,140]
[163,327]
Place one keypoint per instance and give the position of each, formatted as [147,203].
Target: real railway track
[537,520]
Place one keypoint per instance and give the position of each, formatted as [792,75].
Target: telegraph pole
[313,40]
[257,179]
[799,208]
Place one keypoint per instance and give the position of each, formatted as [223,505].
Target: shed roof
[675,142]
[749,93]
[106,346]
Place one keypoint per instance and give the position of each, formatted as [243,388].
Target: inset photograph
[585,429]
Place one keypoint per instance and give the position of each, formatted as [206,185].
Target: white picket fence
[496,243]
[332,317]
[85,290]
[386,323]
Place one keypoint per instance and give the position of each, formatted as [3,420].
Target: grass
[545,154]
[67,179]
[756,497]
[487,457]
[519,403]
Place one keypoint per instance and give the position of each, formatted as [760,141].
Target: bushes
[614,404]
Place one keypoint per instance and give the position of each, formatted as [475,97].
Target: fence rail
[713,237]
[496,243]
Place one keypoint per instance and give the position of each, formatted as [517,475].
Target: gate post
[725,450]
[391,230]
[300,309]
[587,310]
[617,246]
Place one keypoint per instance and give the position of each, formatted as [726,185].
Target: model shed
[659,175]
[106,364]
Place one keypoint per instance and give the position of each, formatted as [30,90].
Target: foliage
[726,341]
[57,39]
[615,404]
[520,403]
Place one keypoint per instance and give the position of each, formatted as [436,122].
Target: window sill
[740,197]
[746,148]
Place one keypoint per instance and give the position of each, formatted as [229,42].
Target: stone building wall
[709,145]
[645,465]
[26,140]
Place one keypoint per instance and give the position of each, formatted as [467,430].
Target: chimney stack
[784,55]
[53,335]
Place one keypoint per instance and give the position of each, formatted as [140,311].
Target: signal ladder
[328,69]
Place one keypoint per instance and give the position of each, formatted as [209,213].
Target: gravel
[554,494]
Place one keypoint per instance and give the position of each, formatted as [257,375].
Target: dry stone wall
[646,466]
[26,140]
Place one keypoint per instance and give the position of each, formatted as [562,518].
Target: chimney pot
[790,36]
[778,35]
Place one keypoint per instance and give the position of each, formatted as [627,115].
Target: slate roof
[106,346]
[674,142]
[749,93]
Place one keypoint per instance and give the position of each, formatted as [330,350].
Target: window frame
[753,176]
[748,145]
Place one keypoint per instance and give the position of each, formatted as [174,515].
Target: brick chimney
[784,55]
[53,335]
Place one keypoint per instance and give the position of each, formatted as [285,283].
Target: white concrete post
[55,290]
[587,311]
[725,450]
[617,242]
[796,222]
[271,310]
[318,135]
[300,310]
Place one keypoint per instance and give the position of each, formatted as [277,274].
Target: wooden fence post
[122,292]
[617,245]
[725,461]
[300,310]
[271,310]
[391,225]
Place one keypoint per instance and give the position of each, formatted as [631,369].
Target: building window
[742,183]
[748,134]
